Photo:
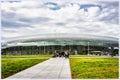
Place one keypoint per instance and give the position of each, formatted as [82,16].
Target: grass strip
[26,56]
[94,68]
[10,67]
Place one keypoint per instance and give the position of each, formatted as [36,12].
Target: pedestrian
[66,54]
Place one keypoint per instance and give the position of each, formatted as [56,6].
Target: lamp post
[88,48]
[44,47]
[62,46]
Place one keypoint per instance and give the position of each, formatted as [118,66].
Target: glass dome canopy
[61,39]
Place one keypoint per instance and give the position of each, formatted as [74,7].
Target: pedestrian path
[54,68]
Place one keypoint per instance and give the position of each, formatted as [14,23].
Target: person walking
[66,54]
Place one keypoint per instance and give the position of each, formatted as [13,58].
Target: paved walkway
[54,68]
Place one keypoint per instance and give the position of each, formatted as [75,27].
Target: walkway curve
[53,68]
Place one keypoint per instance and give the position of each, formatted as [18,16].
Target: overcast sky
[45,17]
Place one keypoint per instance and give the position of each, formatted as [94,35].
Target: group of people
[62,54]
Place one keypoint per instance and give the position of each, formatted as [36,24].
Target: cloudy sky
[27,18]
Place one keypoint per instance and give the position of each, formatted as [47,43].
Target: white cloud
[93,11]
[37,18]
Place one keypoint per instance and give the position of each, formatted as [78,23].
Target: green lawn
[92,56]
[93,67]
[82,66]
[26,56]
[13,64]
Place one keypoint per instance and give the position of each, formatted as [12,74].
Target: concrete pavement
[54,68]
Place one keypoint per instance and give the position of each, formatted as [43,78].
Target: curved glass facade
[52,43]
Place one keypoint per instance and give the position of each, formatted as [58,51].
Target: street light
[44,47]
[62,46]
[88,48]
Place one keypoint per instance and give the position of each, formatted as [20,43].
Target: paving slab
[53,68]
